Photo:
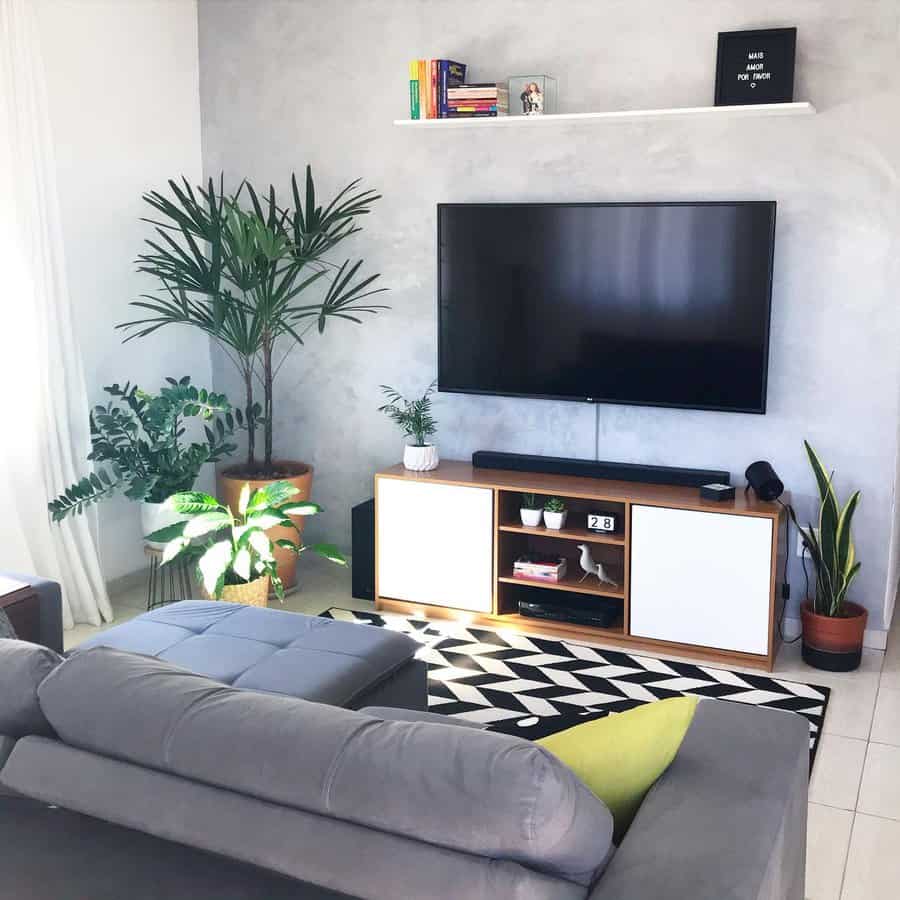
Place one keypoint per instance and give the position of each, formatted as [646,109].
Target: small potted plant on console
[531,511]
[833,626]
[414,417]
[555,513]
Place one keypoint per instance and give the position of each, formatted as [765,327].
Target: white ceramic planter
[555,520]
[155,516]
[531,518]
[421,459]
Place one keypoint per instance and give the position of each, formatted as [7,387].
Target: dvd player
[601,612]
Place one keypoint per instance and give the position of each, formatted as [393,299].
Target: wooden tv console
[696,578]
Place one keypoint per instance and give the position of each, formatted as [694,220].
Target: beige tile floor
[854,810]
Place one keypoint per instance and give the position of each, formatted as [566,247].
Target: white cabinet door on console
[701,578]
[435,544]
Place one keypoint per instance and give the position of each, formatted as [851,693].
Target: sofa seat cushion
[265,649]
[473,791]
[620,756]
[23,666]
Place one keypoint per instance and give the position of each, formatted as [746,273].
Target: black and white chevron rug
[532,686]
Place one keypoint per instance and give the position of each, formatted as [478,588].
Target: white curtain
[44,432]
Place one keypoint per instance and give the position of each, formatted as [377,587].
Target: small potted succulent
[414,417]
[235,558]
[531,510]
[833,626]
[555,513]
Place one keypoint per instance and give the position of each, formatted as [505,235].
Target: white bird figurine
[593,568]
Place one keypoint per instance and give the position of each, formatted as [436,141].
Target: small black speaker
[363,535]
[764,480]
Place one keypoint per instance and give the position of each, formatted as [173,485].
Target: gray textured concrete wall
[283,83]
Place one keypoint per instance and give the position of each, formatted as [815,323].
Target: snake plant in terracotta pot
[833,625]
[234,552]
[256,274]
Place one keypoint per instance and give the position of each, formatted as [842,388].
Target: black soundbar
[589,468]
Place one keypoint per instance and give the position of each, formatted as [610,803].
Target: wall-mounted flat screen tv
[656,304]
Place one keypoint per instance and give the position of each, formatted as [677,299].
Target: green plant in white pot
[555,513]
[833,626]
[418,424]
[234,555]
[531,510]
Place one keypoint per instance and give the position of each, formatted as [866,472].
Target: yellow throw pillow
[620,756]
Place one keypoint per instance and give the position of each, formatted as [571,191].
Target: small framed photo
[532,95]
[755,66]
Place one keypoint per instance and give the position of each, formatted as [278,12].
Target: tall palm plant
[240,268]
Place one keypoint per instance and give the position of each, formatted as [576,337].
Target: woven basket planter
[253,593]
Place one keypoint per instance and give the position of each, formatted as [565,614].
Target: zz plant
[413,416]
[236,549]
[830,543]
[138,440]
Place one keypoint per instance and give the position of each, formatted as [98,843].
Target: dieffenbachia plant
[236,549]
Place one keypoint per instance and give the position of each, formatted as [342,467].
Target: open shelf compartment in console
[510,520]
[598,612]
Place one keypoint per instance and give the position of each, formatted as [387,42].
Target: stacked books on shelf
[476,100]
[535,568]
[430,81]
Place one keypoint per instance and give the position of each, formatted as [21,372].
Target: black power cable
[785,584]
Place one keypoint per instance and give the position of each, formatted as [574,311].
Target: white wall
[124,103]
[327,80]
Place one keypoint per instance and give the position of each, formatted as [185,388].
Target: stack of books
[430,80]
[535,568]
[473,100]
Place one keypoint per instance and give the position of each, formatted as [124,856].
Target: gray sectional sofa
[127,776]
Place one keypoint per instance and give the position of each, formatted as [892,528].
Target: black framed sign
[755,66]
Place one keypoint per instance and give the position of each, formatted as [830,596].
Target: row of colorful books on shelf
[438,90]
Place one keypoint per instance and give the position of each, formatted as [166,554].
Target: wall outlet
[801,546]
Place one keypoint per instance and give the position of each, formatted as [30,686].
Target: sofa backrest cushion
[482,793]
[23,667]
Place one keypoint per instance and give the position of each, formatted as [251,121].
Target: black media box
[717,492]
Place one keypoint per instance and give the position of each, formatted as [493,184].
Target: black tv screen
[658,304]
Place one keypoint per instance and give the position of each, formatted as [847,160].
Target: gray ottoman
[280,652]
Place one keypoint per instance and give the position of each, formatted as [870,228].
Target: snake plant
[830,545]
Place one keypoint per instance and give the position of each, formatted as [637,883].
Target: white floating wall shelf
[625,115]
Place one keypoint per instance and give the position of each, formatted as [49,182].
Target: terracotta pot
[833,643]
[253,593]
[300,475]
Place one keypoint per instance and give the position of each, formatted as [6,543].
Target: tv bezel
[760,410]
